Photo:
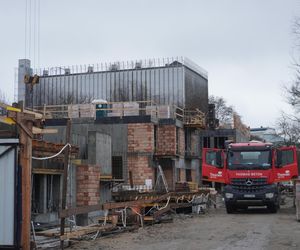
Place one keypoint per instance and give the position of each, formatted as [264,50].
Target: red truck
[251,172]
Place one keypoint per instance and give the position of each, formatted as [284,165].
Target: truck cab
[250,172]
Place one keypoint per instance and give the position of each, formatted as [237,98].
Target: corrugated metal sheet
[7,192]
[161,85]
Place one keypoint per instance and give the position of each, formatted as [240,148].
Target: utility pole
[65,180]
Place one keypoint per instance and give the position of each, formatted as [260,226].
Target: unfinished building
[127,118]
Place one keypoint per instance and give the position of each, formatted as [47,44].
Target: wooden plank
[114,205]
[105,177]
[79,210]
[65,180]
[76,161]
[37,130]
[86,230]
[26,164]
[148,218]
[36,115]
[47,171]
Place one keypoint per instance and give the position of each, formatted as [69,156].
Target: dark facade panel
[164,85]
[196,90]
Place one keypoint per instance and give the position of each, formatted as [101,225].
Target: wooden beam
[65,180]
[25,162]
[115,205]
[47,171]
[86,230]
[37,116]
[36,130]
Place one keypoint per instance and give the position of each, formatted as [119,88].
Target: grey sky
[245,45]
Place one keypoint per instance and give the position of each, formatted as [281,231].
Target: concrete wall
[99,150]
[23,69]
[181,142]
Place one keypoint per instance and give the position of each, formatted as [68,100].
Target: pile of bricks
[87,177]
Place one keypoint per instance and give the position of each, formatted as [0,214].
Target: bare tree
[289,129]
[289,124]
[223,111]
[3,98]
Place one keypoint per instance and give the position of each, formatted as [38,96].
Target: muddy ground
[252,229]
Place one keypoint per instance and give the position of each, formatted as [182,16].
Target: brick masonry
[166,140]
[88,186]
[140,151]
[168,143]
[140,168]
[141,137]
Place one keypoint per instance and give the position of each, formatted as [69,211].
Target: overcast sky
[245,45]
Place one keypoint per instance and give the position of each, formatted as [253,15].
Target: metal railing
[121,65]
[122,109]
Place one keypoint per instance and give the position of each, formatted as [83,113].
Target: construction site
[131,153]
[118,146]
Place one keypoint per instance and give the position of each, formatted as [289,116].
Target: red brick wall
[141,137]
[166,140]
[88,186]
[140,140]
[140,168]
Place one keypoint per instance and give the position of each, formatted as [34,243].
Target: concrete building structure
[123,142]
[152,113]
[171,81]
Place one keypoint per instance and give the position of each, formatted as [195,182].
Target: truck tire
[273,208]
[230,209]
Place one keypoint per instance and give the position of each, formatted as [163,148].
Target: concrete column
[23,69]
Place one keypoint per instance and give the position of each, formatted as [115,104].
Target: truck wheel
[230,209]
[273,208]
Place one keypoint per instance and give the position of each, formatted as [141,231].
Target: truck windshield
[249,159]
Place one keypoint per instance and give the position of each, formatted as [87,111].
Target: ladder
[161,175]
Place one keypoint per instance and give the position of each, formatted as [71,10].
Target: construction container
[101,107]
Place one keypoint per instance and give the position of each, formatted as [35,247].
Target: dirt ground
[252,229]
